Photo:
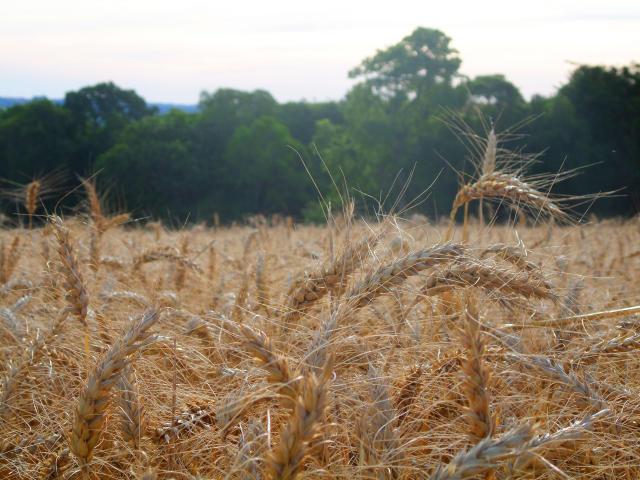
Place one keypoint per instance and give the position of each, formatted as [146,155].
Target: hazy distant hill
[6,102]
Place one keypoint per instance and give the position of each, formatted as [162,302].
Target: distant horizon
[170,53]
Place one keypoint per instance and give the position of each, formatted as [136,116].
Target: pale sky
[170,51]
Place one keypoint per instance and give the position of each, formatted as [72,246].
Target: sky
[170,51]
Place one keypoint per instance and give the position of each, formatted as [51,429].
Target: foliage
[391,129]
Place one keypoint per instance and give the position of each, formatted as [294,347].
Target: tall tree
[35,138]
[266,175]
[226,109]
[411,66]
[99,114]
[154,167]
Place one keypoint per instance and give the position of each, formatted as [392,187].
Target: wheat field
[362,349]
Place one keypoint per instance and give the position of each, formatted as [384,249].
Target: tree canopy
[411,66]
[241,152]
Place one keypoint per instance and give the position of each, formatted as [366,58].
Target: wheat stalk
[132,418]
[31,357]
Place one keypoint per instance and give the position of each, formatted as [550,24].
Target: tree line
[395,132]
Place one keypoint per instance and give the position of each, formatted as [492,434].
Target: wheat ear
[490,278]
[555,371]
[383,278]
[515,255]
[382,443]
[286,461]
[9,259]
[91,406]
[76,292]
[262,290]
[132,419]
[277,367]
[573,432]
[31,357]
[619,344]
[308,290]
[32,190]
[477,378]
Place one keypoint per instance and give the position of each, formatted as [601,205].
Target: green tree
[411,66]
[265,174]
[301,117]
[35,138]
[594,121]
[99,114]
[497,99]
[154,167]
[226,109]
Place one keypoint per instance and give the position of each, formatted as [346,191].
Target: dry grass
[509,356]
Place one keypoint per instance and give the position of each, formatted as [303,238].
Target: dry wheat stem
[593,316]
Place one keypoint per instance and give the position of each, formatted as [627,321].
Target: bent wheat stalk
[383,278]
[308,290]
[491,278]
[485,455]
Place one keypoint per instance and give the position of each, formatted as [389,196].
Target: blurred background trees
[240,153]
